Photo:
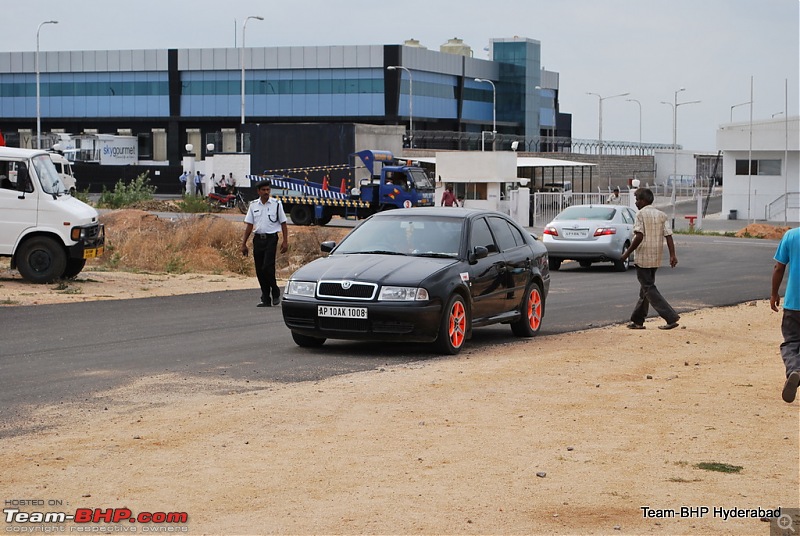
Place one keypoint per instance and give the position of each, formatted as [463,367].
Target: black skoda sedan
[426,275]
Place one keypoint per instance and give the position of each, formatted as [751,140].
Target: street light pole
[600,114]
[494,110]
[38,92]
[410,102]
[675,104]
[736,106]
[640,123]
[241,61]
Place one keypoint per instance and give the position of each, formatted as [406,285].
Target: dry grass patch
[138,241]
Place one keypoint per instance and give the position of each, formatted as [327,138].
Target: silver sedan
[590,233]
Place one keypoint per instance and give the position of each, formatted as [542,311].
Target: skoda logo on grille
[347,284]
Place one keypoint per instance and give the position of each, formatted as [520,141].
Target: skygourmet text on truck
[376,182]
[47,233]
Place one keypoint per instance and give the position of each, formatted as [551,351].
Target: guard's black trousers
[264,250]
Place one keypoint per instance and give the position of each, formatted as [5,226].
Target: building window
[759,167]
[470,190]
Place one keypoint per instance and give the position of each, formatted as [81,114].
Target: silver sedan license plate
[341,312]
[576,233]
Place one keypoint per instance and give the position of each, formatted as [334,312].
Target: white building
[768,189]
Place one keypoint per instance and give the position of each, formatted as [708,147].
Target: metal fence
[546,205]
[476,141]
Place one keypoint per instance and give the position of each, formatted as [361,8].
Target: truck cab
[48,235]
[388,184]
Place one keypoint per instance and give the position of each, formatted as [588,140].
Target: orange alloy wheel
[458,324]
[535,309]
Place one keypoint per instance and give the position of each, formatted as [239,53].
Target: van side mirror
[327,246]
[24,183]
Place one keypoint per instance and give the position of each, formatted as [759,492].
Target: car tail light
[550,230]
[604,231]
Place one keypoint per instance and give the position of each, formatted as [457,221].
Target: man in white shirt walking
[265,218]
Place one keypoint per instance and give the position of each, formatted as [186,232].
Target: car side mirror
[478,252]
[327,246]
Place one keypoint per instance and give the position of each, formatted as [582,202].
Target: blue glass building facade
[176,91]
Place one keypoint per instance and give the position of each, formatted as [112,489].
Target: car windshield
[424,237]
[587,213]
[48,176]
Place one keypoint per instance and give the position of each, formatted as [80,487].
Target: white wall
[751,195]
[489,167]
[665,162]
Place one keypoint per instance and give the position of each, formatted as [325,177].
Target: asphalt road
[71,352]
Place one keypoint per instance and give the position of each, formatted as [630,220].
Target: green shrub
[139,189]
[194,204]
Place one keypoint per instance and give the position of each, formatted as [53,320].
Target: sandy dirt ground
[566,434]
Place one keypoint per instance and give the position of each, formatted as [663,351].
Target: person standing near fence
[198,183]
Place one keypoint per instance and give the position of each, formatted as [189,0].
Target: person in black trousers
[265,218]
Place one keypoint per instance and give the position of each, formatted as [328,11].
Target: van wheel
[74,267]
[302,214]
[41,260]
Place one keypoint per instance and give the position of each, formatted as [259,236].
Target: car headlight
[403,294]
[301,288]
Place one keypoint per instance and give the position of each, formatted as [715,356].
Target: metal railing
[779,209]
[475,141]
[546,205]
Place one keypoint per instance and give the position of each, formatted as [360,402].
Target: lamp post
[494,110]
[410,102]
[675,104]
[600,114]
[640,122]
[736,106]
[38,92]
[241,61]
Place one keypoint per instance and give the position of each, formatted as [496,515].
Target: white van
[64,168]
[47,233]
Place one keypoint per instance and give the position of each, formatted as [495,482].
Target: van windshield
[47,174]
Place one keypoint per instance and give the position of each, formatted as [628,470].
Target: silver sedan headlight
[403,294]
[301,288]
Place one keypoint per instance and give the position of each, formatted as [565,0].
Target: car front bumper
[386,321]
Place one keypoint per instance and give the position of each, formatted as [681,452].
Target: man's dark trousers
[264,250]
[649,295]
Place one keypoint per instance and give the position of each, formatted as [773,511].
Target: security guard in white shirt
[265,218]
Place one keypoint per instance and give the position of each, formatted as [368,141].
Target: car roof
[453,212]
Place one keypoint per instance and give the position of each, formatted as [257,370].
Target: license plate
[92,253]
[580,233]
[341,312]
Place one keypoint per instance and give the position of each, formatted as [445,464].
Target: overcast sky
[650,48]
